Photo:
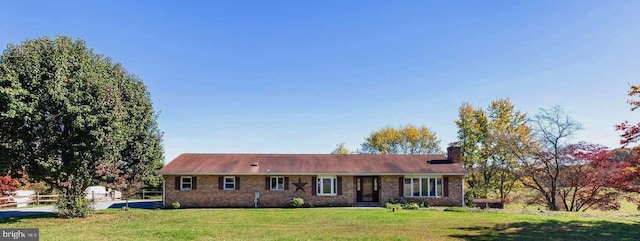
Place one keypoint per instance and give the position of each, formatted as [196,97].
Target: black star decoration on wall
[299,185]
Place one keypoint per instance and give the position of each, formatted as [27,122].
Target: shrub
[424,204]
[413,206]
[468,198]
[390,205]
[40,187]
[175,205]
[77,207]
[297,202]
[7,185]
[405,205]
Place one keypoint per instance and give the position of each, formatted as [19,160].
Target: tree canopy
[409,139]
[341,149]
[486,137]
[631,132]
[544,162]
[73,118]
[589,176]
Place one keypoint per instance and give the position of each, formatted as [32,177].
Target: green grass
[625,206]
[327,224]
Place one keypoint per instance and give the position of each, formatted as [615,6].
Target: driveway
[16,212]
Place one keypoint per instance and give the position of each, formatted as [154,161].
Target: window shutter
[220,183]
[177,183]
[286,183]
[401,187]
[237,183]
[267,185]
[314,185]
[339,186]
[194,183]
[445,188]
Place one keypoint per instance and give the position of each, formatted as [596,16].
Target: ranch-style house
[272,180]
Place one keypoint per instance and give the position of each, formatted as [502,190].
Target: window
[327,186]
[229,183]
[375,184]
[185,183]
[423,187]
[277,183]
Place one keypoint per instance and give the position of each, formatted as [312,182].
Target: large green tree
[506,126]
[473,130]
[409,139]
[73,118]
[486,136]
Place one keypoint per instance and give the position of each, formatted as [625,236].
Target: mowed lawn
[326,224]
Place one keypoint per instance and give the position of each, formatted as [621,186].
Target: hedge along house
[272,180]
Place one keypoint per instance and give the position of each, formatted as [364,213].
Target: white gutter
[310,174]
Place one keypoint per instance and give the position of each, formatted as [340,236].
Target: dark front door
[367,189]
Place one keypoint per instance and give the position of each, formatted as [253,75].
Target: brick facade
[391,190]
[208,194]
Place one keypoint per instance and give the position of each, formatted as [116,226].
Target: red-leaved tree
[590,178]
[7,185]
[629,179]
[630,132]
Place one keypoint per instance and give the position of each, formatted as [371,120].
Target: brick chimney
[454,153]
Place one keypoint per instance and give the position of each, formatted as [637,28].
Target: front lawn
[325,224]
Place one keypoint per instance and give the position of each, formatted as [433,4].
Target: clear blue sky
[302,76]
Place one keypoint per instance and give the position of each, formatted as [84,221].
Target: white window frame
[232,182]
[333,186]
[182,183]
[277,187]
[434,179]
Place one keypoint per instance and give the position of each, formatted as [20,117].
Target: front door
[367,189]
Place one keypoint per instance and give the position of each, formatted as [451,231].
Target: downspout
[463,190]
[163,190]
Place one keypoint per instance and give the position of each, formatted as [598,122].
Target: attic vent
[255,164]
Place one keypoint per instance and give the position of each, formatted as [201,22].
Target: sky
[304,76]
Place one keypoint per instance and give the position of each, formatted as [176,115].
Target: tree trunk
[553,204]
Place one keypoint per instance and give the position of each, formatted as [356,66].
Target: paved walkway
[16,212]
